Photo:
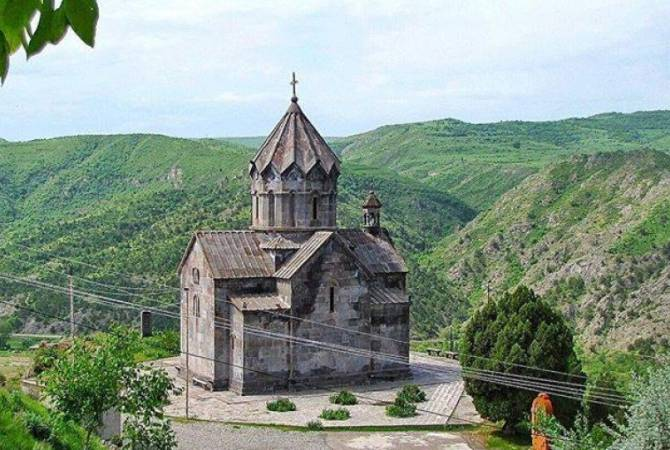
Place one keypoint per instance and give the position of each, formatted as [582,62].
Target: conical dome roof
[295,141]
[372,201]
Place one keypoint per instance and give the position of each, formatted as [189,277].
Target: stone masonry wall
[201,326]
[311,299]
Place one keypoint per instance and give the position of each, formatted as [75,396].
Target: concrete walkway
[444,390]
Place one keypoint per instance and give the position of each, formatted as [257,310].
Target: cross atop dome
[293,82]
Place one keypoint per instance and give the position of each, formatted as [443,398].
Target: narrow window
[256,206]
[271,209]
[196,306]
[291,208]
[332,299]
[315,208]
[196,276]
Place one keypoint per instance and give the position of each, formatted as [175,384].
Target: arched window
[291,208]
[196,275]
[331,295]
[271,208]
[315,207]
[256,206]
[196,306]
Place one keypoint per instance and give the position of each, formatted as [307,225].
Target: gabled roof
[243,254]
[233,254]
[307,250]
[376,253]
[294,140]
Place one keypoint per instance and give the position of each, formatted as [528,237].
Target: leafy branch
[18,16]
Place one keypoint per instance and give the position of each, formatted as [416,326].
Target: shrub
[281,405]
[37,426]
[343,398]
[335,414]
[3,379]
[401,408]
[314,425]
[412,393]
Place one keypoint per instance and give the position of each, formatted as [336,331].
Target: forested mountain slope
[129,204]
[478,162]
[592,234]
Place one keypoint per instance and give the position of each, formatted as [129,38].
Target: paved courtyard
[444,391]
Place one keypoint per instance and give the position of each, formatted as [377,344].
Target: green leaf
[4,58]
[17,13]
[83,17]
[43,30]
[58,25]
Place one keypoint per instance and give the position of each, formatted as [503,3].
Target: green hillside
[478,162]
[130,203]
[591,233]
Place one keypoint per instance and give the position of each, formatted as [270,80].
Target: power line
[448,417]
[164,286]
[495,377]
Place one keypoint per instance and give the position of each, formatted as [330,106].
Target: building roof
[294,140]
[243,254]
[372,201]
[259,302]
[308,249]
[380,295]
[233,254]
[376,253]
[280,243]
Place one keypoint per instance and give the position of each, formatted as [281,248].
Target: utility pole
[70,294]
[188,325]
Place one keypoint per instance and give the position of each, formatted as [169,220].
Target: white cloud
[210,67]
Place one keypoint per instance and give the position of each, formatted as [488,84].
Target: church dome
[294,177]
[294,140]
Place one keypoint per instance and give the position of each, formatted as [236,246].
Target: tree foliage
[519,328]
[18,16]
[98,375]
[647,422]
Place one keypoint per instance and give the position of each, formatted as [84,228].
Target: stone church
[251,299]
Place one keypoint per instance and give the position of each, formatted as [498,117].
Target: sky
[213,68]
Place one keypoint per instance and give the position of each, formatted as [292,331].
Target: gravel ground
[215,436]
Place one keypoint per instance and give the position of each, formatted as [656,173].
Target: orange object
[541,403]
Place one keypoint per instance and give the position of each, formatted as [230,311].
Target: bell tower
[372,214]
[294,177]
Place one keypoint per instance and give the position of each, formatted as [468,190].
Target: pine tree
[521,329]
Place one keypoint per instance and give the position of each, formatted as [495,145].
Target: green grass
[162,344]
[653,232]
[20,414]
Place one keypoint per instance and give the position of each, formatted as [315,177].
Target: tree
[5,331]
[647,423]
[517,329]
[97,375]
[17,16]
